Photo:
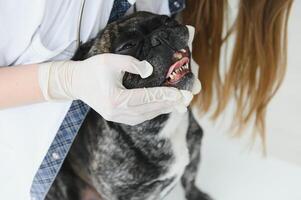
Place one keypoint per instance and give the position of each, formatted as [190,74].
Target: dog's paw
[196,194]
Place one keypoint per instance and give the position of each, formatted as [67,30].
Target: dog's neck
[149,128]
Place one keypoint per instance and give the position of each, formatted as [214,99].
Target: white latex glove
[194,66]
[98,82]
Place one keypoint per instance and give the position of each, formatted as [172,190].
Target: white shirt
[41,30]
[49,28]
[34,31]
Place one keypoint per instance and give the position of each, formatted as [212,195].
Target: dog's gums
[180,67]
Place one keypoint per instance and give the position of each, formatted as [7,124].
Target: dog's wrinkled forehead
[133,26]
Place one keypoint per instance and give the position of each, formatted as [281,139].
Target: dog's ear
[83,50]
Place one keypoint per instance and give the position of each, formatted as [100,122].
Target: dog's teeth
[183,50]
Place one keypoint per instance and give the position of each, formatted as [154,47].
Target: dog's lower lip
[169,82]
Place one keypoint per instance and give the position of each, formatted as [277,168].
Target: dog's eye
[126,46]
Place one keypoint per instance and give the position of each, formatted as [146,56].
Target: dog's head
[160,40]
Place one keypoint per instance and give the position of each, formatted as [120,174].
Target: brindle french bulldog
[113,161]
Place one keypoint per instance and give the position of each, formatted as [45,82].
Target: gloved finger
[142,96]
[132,65]
[197,86]
[133,115]
[152,108]
[137,115]
[186,97]
[143,68]
[194,67]
[181,108]
[191,31]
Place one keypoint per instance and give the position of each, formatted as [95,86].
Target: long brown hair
[258,60]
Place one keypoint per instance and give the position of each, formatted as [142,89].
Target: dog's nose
[181,53]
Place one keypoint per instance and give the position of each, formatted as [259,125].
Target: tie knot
[119,9]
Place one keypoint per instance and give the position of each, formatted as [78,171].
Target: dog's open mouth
[180,68]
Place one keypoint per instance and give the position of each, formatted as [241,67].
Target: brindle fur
[112,161]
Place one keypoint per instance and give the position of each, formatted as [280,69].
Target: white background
[230,170]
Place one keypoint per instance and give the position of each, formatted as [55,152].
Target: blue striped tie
[119,9]
[67,132]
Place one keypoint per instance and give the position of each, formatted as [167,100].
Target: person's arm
[97,81]
[19,85]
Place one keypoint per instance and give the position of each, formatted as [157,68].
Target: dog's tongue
[178,69]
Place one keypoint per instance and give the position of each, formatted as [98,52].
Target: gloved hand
[194,66]
[98,82]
